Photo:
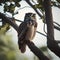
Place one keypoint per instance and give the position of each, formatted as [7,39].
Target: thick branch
[51,43]
[7,20]
[36,51]
[58,41]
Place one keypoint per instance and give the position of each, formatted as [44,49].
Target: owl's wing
[21,36]
[22,30]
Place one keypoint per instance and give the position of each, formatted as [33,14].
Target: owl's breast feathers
[25,32]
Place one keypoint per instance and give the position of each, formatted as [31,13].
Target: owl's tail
[22,46]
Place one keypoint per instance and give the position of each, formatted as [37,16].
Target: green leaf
[6,8]
[4,28]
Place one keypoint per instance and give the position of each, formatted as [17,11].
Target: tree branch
[57,24]
[56,27]
[55,4]
[7,20]
[28,1]
[58,41]
[36,51]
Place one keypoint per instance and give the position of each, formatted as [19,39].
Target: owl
[26,30]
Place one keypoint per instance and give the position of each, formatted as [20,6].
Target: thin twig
[28,1]
[56,23]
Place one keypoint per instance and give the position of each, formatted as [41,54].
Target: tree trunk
[51,43]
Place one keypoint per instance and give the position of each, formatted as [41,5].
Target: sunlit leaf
[4,28]
[11,55]
[11,8]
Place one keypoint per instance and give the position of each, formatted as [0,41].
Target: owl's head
[30,16]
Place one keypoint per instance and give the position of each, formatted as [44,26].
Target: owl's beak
[33,16]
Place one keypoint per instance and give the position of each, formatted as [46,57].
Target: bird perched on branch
[26,30]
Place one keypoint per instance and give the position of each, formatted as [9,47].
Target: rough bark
[51,43]
[36,51]
[9,21]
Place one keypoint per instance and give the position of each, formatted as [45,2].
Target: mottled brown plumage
[27,30]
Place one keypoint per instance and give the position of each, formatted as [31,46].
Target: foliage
[9,5]
[4,28]
[7,48]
